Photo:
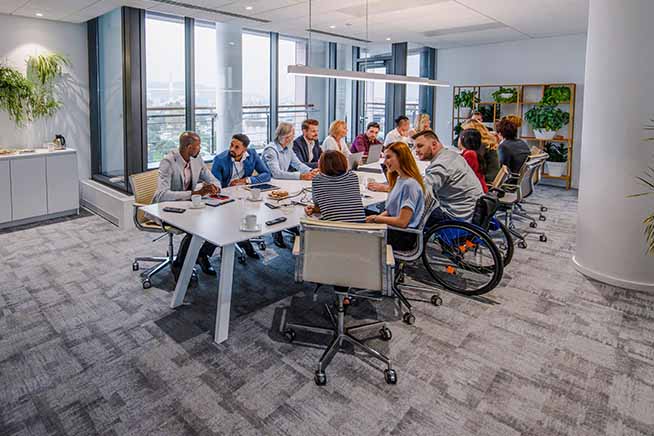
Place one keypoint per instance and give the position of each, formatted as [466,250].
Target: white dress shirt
[395,136]
[238,172]
[330,144]
[310,145]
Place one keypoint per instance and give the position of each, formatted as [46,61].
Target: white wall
[544,60]
[22,37]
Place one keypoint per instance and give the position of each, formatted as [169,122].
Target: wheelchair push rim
[462,258]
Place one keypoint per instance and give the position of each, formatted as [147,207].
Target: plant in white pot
[647,180]
[464,101]
[546,118]
[557,160]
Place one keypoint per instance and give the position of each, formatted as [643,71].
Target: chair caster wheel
[543,238]
[390,376]
[135,266]
[385,333]
[262,246]
[543,209]
[542,217]
[289,334]
[522,244]
[533,224]
[241,260]
[194,276]
[436,300]
[400,278]
[320,378]
[147,284]
[408,318]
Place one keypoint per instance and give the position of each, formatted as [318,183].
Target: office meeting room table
[221,226]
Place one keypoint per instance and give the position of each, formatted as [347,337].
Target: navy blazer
[223,166]
[301,148]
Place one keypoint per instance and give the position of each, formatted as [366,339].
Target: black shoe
[278,238]
[251,253]
[204,263]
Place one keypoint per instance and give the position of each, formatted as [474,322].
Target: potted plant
[465,101]
[557,160]
[554,95]
[505,95]
[546,119]
[647,180]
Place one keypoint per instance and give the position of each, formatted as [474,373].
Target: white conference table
[221,227]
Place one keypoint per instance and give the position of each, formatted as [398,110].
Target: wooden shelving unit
[529,95]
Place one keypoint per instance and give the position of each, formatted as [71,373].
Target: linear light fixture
[303,70]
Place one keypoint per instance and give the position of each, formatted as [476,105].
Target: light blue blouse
[406,193]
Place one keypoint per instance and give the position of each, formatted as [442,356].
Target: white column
[618,102]
[229,95]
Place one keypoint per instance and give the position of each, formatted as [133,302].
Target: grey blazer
[170,186]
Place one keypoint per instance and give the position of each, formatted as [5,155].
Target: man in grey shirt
[448,177]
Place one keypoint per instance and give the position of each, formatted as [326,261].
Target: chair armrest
[390,258]
[406,230]
[296,246]
[137,205]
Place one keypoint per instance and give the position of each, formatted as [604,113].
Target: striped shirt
[338,197]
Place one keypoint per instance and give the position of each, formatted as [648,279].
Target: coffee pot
[59,142]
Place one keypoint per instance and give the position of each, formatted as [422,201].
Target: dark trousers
[401,241]
[246,245]
[207,250]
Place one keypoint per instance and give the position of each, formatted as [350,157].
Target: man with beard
[306,146]
[180,172]
[236,166]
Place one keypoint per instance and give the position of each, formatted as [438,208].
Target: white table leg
[187,270]
[224,293]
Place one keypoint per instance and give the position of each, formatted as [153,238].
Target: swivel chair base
[342,334]
[161,263]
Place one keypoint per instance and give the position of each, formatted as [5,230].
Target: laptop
[374,153]
[354,159]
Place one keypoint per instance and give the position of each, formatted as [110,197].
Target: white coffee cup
[250,221]
[196,200]
[255,194]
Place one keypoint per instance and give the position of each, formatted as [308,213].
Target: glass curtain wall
[110,84]
[292,91]
[412,91]
[166,97]
[256,87]
[317,88]
[206,84]
[344,90]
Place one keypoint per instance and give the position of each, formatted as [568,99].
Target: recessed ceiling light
[332,27]
[248,8]
[388,39]
[39,14]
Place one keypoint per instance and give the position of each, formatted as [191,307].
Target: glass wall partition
[110,99]
[292,93]
[344,89]
[256,87]
[166,98]
[206,85]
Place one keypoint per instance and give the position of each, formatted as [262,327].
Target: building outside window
[292,92]
[256,87]
[206,73]
[412,91]
[166,99]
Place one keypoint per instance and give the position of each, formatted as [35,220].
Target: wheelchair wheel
[462,258]
[502,239]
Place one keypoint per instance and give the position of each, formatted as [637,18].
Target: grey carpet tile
[85,350]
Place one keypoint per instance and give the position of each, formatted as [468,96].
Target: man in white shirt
[400,133]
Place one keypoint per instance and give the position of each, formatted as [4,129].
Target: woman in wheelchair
[406,199]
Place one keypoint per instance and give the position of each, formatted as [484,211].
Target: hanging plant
[505,95]
[31,96]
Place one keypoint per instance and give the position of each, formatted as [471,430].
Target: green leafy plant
[497,95]
[31,96]
[486,113]
[546,117]
[556,94]
[558,152]
[465,99]
[647,180]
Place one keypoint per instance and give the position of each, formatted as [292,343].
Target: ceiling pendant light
[331,73]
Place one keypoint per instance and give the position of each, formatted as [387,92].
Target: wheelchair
[467,258]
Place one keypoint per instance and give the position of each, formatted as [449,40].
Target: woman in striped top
[336,194]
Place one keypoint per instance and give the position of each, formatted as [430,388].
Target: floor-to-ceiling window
[292,90]
[256,87]
[412,91]
[344,89]
[166,101]
[206,74]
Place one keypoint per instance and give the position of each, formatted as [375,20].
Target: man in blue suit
[306,146]
[236,166]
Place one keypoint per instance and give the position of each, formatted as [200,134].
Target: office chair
[345,256]
[542,159]
[144,185]
[514,194]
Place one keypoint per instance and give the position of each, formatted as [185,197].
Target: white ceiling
[435,23]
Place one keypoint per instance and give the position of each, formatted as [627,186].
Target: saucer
[199,207]
[252,199]
[256,228]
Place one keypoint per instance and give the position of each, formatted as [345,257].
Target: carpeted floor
[85,350]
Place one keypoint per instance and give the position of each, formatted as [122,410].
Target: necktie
[187,176]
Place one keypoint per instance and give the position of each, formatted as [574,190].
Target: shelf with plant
[464,101]
[557,160]
[546,120]
[505,95]
[30,96]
